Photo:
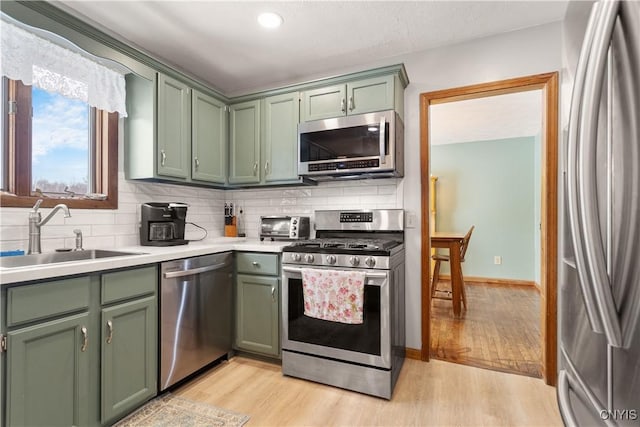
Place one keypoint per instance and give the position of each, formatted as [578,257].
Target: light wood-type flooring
[500,329]
[427,394]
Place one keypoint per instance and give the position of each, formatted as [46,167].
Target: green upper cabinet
[174,111]
[354,97]
[174,132]
[325,102]
[281,115]
[244,143]
[209,138]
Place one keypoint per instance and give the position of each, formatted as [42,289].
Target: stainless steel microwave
[362,145]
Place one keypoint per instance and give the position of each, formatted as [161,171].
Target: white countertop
[151,254]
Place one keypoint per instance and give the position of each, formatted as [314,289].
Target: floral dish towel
[334,295]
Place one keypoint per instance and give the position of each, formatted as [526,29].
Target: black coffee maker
[162,224]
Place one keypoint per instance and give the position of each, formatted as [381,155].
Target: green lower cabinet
[86,358]
[257,314]
[129,357]
[48,374]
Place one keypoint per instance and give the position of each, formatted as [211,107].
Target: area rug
[173,411]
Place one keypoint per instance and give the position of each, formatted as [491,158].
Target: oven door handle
[369,275]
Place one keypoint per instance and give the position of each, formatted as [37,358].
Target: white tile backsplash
[119,228]
[363,194]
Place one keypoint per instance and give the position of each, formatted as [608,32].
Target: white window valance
[39,62]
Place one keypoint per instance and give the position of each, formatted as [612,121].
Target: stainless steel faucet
[36,221]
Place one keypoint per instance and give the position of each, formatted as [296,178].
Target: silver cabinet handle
[255,168]
[572,174]
[273,293]
[193,271]
[266,167]
[352,105]
[85,338]
[587,182]
[343,106]
[383,149]
[256,264]
[196,162]
[109,331]
[163,157]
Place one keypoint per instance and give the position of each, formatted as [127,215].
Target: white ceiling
[220,43]
[495,117]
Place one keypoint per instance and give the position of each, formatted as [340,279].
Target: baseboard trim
[493,281]
[413,353]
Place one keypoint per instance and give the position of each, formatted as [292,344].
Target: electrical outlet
[412,219]
[497,260]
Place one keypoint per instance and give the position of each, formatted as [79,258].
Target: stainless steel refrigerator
[599,282]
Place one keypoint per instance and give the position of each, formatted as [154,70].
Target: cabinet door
[173,128]
[324,103]
[208,138]
[257,314]
[244,143]
[48,373]
[280,142]
[374,94]
[129,356]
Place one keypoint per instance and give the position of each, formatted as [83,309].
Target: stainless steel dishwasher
[195,315]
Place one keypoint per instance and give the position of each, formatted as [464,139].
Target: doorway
[548,84]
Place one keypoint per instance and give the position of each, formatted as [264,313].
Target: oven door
[367,343]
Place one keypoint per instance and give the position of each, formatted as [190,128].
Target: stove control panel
[305,260]
[356,216]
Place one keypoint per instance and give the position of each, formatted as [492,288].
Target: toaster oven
[284,227]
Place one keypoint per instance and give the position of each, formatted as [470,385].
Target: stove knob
[354,260]
[331,259]
[296,257]
[370,261]
[308,258]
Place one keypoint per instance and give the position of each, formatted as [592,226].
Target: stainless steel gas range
[367,356]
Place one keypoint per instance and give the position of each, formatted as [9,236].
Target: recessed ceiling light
[270,20]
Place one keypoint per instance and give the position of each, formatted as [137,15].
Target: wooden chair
[438,258]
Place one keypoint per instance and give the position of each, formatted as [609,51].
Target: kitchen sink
[56,257]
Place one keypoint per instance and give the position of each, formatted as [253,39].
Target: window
[58,139]
[55,147]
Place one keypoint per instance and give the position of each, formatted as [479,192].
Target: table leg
[456,276]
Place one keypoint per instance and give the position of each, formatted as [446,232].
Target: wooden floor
[500,329]
[427,394]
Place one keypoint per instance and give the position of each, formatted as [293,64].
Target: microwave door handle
[383,152]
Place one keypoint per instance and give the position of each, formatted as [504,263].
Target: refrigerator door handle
[574,381]
[563,400]
[572,174]
[596,264]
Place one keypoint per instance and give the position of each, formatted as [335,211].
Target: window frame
[17,138]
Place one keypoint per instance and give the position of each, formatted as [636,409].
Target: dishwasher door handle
[182,273]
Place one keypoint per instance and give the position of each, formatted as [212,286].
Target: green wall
[491,184]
